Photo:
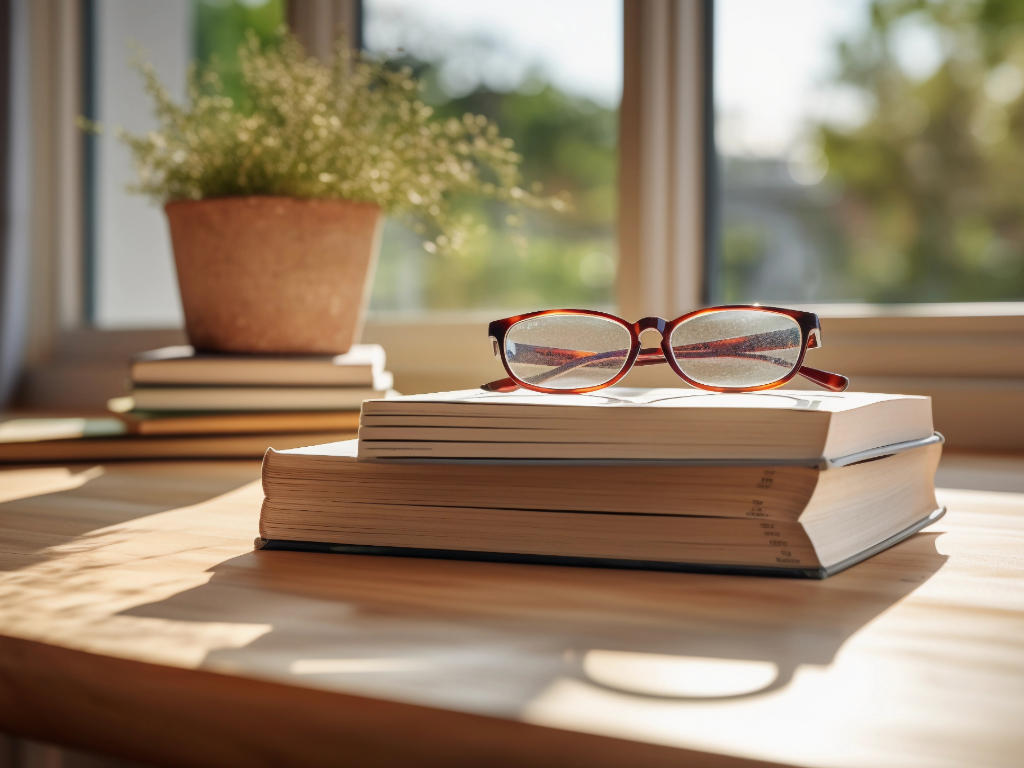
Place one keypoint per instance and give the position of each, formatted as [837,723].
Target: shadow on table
[490,637]
[46,507]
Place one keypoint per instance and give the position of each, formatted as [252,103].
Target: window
[554,88]
[817,194]
[550,76]
[869,151]
[129,275]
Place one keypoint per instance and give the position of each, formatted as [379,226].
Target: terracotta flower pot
[274,274]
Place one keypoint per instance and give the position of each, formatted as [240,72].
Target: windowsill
[1010,312]
[947,310]
[968,357]
[1004,309]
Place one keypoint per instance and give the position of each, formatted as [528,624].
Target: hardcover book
[192,398]
[769,518]
[361,366]
[230,423]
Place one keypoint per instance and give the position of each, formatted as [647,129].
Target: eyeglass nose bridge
[649,323]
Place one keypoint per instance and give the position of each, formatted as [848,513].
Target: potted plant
[275,204]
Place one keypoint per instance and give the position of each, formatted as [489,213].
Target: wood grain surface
[136,620]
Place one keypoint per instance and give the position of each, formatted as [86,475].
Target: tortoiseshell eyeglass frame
[810,338]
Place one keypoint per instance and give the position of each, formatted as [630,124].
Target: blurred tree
[569,144]
[220,27]
[933,201]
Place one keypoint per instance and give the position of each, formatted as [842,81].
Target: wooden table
[136,620]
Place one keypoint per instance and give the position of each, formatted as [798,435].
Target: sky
[577,44]
[772,65]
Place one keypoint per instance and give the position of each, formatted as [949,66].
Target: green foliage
[569,144]
[353,129]
[219,30]
[933,203]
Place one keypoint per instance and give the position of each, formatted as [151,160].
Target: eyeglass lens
[737,348]
[567,351]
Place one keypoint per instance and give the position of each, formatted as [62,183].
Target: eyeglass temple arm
[501,385]
[651,356]
[830,381]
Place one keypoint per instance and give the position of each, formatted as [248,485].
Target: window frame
[968,357]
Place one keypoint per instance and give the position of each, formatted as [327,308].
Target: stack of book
[774,483]
[200,405]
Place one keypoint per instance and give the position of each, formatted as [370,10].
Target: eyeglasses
[738,348]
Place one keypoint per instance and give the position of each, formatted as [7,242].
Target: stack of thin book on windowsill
[185,404]
[774,483]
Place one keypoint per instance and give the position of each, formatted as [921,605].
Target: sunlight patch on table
[656,674]
[354,666]
[26,483]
